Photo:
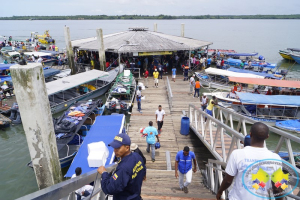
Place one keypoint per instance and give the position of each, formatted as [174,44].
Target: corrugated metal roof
[140,41]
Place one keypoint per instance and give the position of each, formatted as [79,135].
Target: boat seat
[290,113]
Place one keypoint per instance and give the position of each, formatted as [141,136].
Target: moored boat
[289,125]
[121,94]
[296,57]
[286,53]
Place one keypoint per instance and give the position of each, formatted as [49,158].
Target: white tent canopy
[73,81]
[222,72]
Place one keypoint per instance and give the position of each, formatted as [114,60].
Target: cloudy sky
[149,7]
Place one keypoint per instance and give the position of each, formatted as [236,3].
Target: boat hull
[296,58]
[66,161]
[286,56]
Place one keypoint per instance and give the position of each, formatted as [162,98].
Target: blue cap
[119,140]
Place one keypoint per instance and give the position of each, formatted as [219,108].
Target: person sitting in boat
[256,91]
[269,92]
[242,65]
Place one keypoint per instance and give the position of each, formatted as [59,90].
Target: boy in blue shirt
[184,165]
[173,73]
[151,133]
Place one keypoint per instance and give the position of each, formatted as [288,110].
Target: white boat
[218,78]
[78,87]
[265,108]
[121,94]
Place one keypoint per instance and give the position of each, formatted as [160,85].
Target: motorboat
[121,94]
[78,87]
[265,108]
[72,126]
[296,56]
[286,53]
[258,66]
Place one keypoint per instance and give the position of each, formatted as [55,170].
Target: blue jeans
[139,105]
[152,150]
[196,91]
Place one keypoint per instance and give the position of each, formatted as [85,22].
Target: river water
[263,36]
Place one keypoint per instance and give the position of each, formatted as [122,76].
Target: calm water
[263,36]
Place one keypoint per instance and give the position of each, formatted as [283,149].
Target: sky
[149,7]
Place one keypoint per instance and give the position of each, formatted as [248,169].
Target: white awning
[73,81]
[231,74]
[13,53]
[37,53]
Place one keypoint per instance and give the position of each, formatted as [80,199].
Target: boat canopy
[50,72]
[38,53]
[222,72]
[13,53]
[283,100]
[294,49]
[240,54]
[266,82]
[104,129]
[73,81]
[232,69]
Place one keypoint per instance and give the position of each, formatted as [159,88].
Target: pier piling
[102,58]
[32,98]
[155,27]
[69,48]
[182,30]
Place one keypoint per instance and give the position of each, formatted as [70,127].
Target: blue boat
[296,57]
[237,63]
[104,129]
[289,125]
[70,129]
[266,75]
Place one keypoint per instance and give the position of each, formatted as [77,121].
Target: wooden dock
[161,183]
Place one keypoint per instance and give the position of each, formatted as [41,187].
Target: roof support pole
[32,97]
[189,60]
[119,62]
[182,30]
[207,52]
[102,58]
[69,48]
[155,27]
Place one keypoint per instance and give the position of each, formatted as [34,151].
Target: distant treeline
[115,17]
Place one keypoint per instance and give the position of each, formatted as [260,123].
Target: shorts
[173,76]
[156,80]
[209,112]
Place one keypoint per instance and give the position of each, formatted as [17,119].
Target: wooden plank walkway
[162,184]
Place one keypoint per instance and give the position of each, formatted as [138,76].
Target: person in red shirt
[269,92]
[222,63]
[146,74]
[197,88]
[107,64]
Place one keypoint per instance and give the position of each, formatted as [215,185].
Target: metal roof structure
[140,40]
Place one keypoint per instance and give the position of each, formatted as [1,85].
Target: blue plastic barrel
[185,126]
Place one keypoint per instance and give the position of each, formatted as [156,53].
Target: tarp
[266,82]
[241,54]
[284,100]
[4,78]
[50,72]
[232,69]
[293,125]
[73,81]
[104,129]
[5,66]
[222,72]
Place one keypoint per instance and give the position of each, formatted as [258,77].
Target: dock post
[32,98]
[155,27]
[69,48]
[102,58]
[182,30]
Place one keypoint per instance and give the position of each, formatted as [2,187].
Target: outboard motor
[284,72]
[123,106]
[112,105]
[18,118]
[15,116]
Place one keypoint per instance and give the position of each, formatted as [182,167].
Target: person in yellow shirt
[155,76]
[210,107]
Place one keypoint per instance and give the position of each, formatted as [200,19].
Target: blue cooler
[185,126]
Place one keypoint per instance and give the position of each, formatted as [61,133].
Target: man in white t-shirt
[159,114]
[83,191]
[192,84]
[238,166]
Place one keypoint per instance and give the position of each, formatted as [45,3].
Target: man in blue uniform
[126,182]
[184,165]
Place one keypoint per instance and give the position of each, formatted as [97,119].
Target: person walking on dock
[183,164]
[151,133]
[210,107]
[139,98]
[126,182]
[160,70]
[239,162]
[155,76]
[146,74]
[173,73]
[192,84]
[197,88]
[160,115]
